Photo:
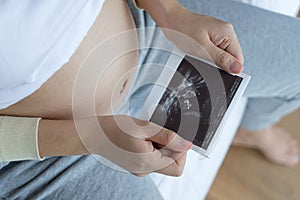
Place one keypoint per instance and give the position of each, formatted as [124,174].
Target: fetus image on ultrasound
[196,100]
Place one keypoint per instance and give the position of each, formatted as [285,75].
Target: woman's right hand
[142,147]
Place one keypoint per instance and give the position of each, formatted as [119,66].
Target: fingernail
[235,67]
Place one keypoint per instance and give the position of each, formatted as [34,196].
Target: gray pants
[270,43]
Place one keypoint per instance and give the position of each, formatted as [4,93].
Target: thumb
[171,140]
[224,60]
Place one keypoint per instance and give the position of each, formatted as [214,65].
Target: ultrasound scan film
[196,101]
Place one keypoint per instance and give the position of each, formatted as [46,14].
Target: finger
[229,42]
[164,164]
[140,174]
[170,153]
[181,161]
[175,168]
[171,170]
[171,140]
[177,156]
[234,48]
[224,60]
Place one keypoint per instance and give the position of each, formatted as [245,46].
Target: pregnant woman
[48,77]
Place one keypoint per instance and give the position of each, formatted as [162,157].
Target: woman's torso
[54,99]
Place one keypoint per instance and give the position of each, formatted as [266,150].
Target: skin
[58,135]
[275,143]
[53,102]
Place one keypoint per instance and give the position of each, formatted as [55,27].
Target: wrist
[59,138]
[162,11]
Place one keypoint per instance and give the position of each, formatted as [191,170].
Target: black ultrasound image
[196,100]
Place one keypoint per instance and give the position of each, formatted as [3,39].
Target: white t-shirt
[36,39]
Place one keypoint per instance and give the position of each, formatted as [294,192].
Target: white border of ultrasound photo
[164,80]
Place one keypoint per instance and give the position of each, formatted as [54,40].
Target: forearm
[59,138]
[161,10]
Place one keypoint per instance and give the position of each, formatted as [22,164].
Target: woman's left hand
[197,34]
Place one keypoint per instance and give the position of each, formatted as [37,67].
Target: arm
[204,36]
[59,138]
[120,140]
[126,141]
[160,10]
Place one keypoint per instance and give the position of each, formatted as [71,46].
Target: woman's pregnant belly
[99,51]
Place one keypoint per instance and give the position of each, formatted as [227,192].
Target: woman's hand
[216,39]
[142,147]
[138,146]
[196,34]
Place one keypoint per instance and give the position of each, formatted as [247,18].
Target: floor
[245,174]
